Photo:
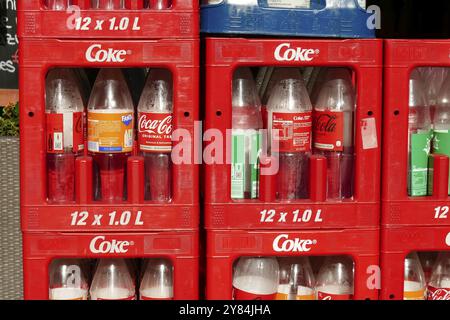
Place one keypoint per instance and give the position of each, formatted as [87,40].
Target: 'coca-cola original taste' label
[328,130]
[155,132]
[438,293]
[329,296]
[243,295]
[64,130]
[294,131]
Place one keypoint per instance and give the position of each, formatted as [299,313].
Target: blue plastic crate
[321,19]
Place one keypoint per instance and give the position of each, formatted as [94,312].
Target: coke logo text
[284,52]
[325,123]
[163,126]
[438,294]
[282,243]
[95,53]
[101,245]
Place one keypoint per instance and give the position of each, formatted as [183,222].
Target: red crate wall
[181,248]
[181,20]
[225,247]
[396,244]
[364,57]
[398,209]
[182,213]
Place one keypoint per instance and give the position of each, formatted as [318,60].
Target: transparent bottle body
[157,281]
[58,4]
[110,100]
[64,101]
[68,280]
[414,279]
[246,123]
[156,106]
[290,97]
[255,278]
[296,279]
[108,4]
[335,104]
[335,279]
[439,285]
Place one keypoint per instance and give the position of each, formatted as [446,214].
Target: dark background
[8,46]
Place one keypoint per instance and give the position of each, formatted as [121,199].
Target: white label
[284,52]
[369,133]
[101,245]
[297,216]
[95,53]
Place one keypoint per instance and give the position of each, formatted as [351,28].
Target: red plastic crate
[180,248]
[398,209]
[181,213]
[181,20]
[225,247]
[396,244]
[364,57]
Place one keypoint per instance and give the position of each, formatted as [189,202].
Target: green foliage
[9,120]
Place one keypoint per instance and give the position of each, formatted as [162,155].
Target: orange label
[110,132]
[414,295]
[306,297]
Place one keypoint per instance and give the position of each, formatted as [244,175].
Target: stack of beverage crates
[309,230]
[415,235]
[105,208]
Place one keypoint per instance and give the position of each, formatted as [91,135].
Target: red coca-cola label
[329,296]
[55,123]
[294,131]
[438,293]
[328,130]
[244,295]
[155,132]
[150,298]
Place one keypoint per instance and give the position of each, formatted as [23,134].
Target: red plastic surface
[181,20]
[224,247]
[398,209]
[182,213]
[396,244]
[41,248]
[364,57]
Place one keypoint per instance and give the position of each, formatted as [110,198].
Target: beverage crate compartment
[134,212]
[90,19]
[397,243]
[287,18]
[403,58]
[181,249]
[361,210]
[225,247]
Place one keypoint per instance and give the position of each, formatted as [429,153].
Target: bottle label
[110,132]
[245,149]
[418,171]
[117,299]
[441,145]
[150,298]
[328,296]
[155,132]
[293,4]
[285,296]
[294,131]
[328,130]
[438,293]
[64,130]
[244,295]
[414,295]
[306,297]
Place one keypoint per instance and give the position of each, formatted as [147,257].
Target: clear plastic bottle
[64,133]
[419,137]
[155,133]
[289,112]
[157,281]
[110,132]
[433,79]
[255,278]
[112,281]
[296,279]
[414,283]
[427,260]
[333,130]
[68,280]
[108,4]
[58,4]
[335,279]
[439,286]
[159,4]
[246,138]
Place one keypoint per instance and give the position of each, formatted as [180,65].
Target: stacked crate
[409,224]
[264,226]
[134,37]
